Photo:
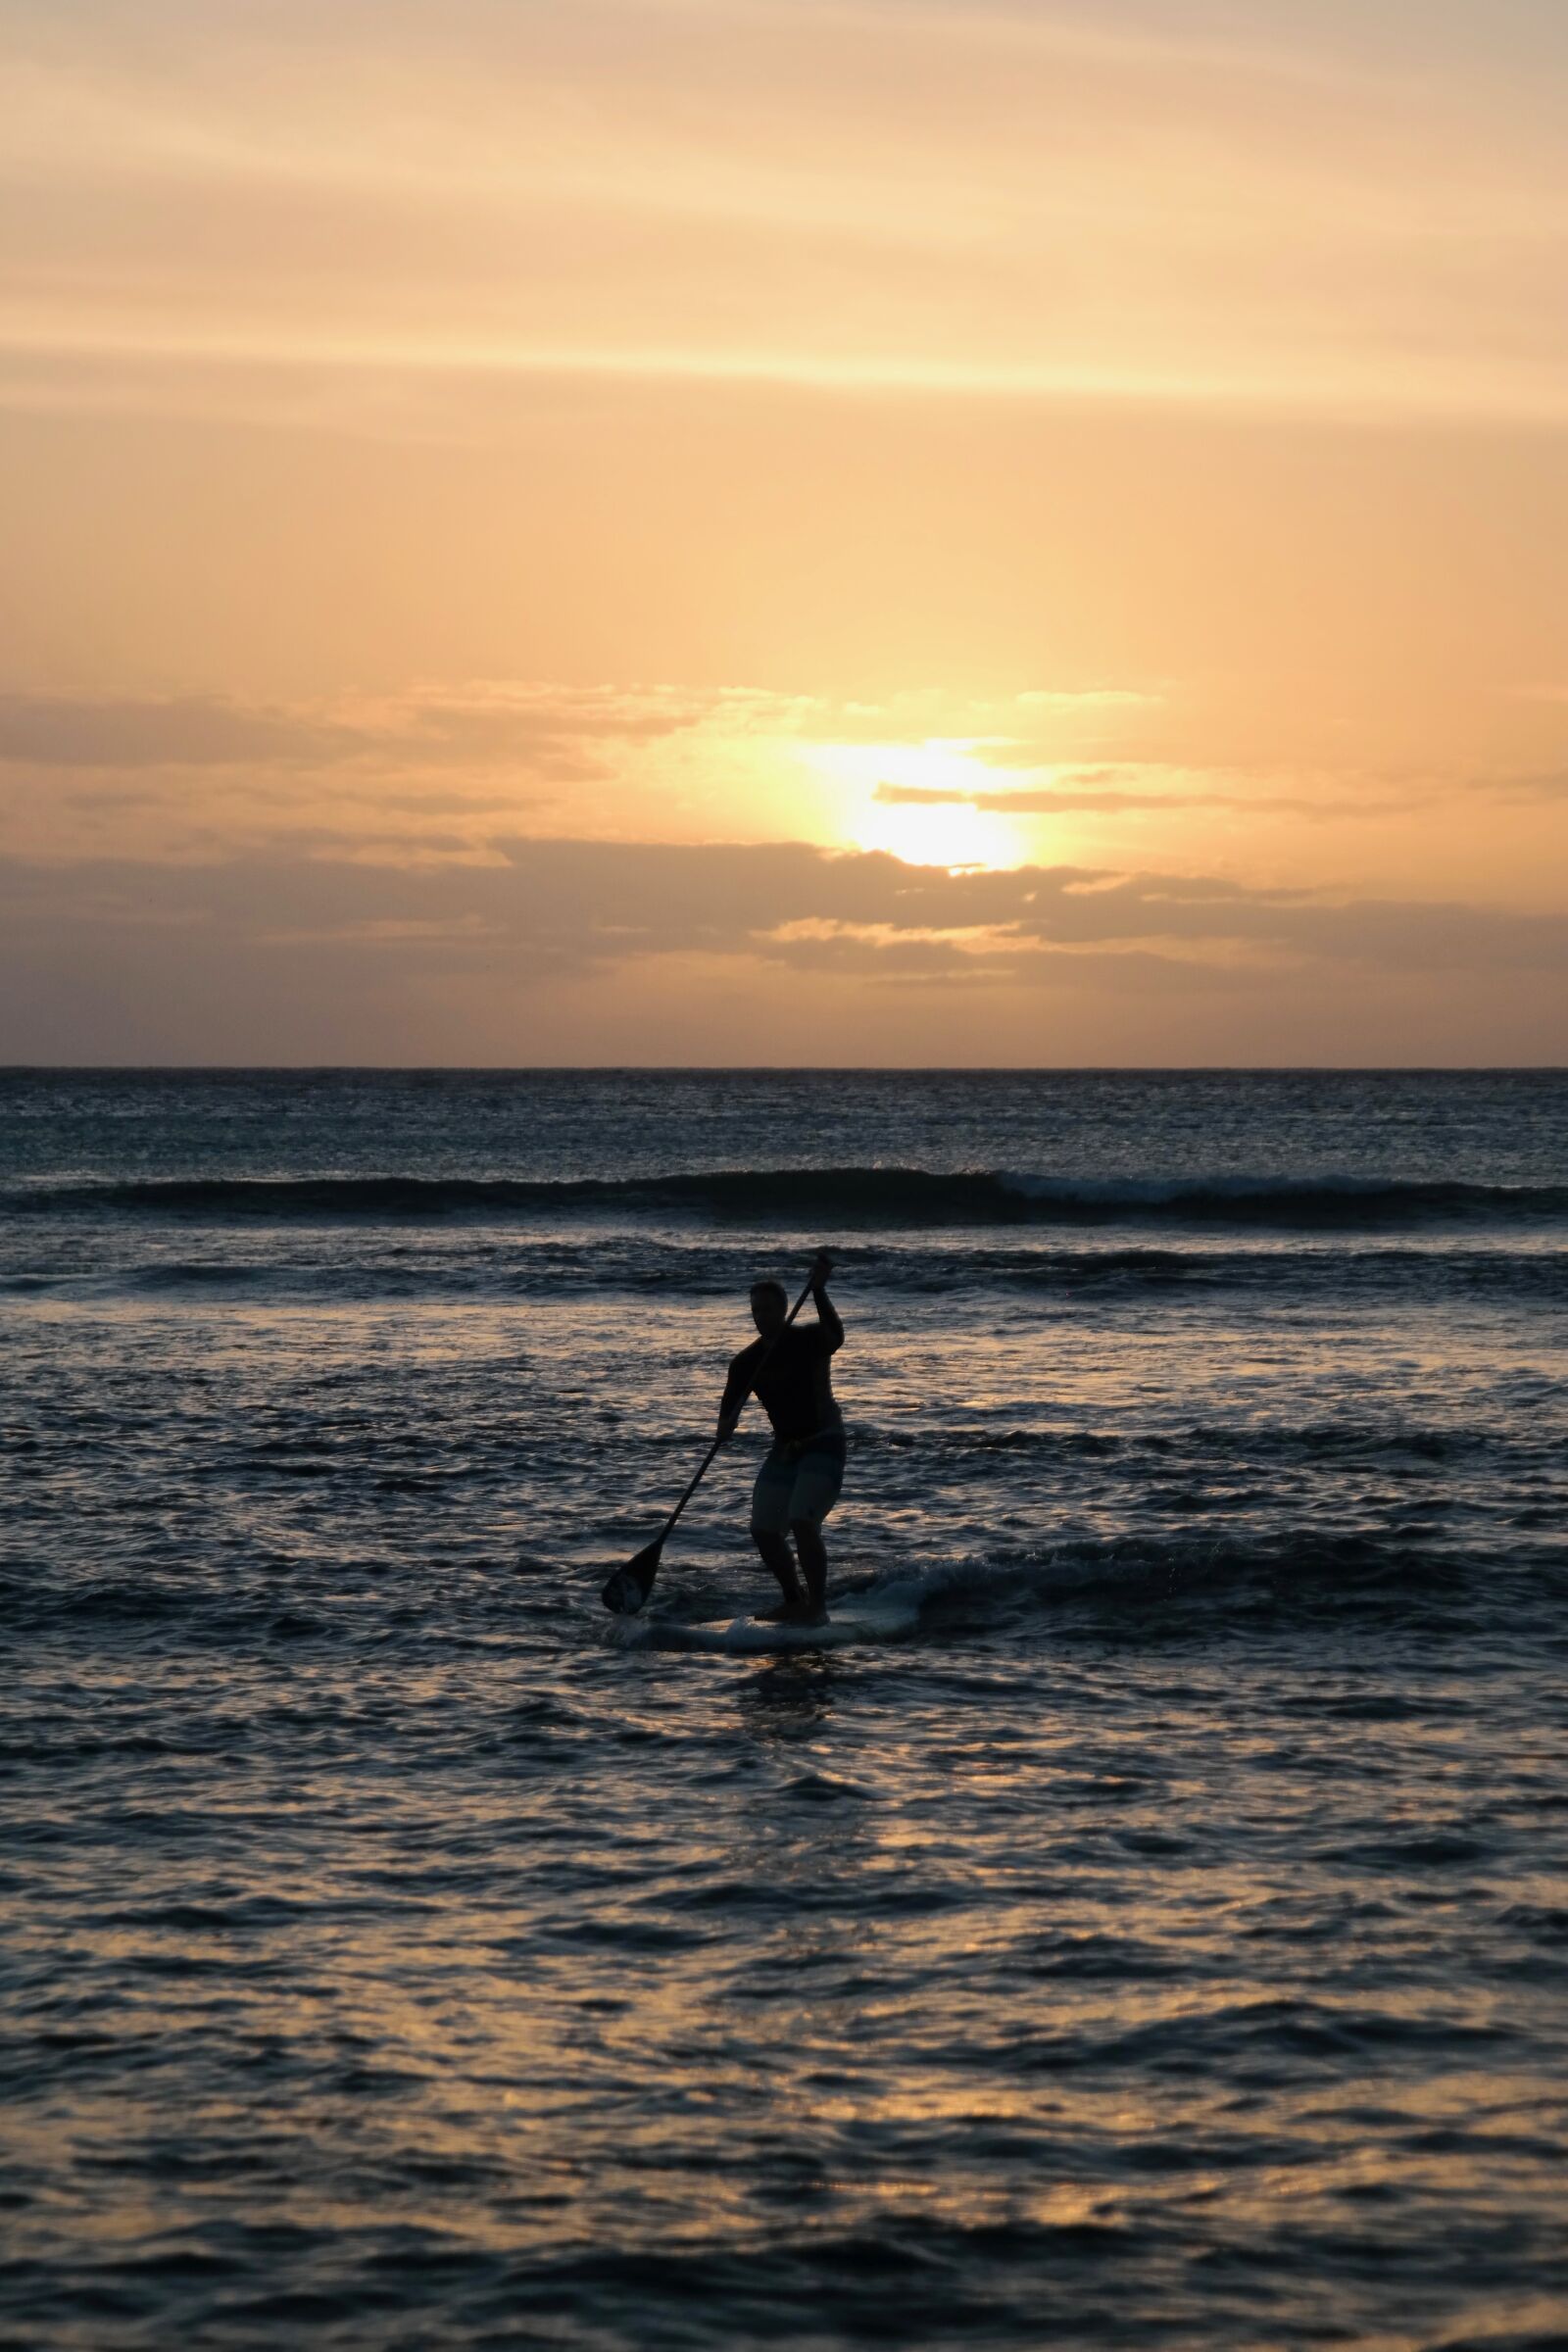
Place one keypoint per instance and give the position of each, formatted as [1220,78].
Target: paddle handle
[723,1436]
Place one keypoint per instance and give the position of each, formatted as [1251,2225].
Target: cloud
[1066,799]
[461,735]
[574,905]
[1550,785]
[566,950]
[1052,803]
[193,730]
[549,729]
[1045,200]
[559,731]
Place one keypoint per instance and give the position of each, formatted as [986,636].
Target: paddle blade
[629,1587]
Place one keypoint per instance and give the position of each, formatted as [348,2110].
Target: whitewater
[1152,1934]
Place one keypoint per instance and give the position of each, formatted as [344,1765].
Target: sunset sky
[758,530]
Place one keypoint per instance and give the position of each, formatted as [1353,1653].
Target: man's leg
[776,1552]
[815,1489]
[771,1515]
[813,1562]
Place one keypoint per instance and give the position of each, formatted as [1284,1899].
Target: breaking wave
[871,1198]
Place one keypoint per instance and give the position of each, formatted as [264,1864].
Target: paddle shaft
[725,1434]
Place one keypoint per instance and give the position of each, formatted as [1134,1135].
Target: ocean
[1160,1942]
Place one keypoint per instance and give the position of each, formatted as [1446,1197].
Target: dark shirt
[795,1385]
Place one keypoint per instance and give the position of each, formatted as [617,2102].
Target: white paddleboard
[863,1617]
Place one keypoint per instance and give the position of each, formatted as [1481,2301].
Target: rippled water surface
[1162,1943]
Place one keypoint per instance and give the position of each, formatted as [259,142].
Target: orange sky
[755,530]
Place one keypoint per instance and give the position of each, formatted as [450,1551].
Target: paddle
[628,1588]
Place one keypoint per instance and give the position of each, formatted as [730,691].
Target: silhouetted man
[788,1365]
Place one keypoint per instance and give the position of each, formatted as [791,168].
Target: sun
[918,802]
[937,833]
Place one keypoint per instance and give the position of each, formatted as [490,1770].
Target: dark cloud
[192,730]
[574,905]
[553,731]
[1550,785]
[294,956]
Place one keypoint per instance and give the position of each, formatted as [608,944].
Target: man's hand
[827,1314]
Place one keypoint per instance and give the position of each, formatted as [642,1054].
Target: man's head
[769,1306]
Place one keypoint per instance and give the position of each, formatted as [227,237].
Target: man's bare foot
[788,1612]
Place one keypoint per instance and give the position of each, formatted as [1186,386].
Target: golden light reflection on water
[441,1919]
[562,2037]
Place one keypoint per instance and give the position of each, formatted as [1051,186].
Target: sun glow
[939,823]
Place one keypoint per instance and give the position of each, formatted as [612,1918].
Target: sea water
[1160,1942]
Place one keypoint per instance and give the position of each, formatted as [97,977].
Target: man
[788,1366]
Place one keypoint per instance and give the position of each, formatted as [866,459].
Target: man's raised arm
[826,1311]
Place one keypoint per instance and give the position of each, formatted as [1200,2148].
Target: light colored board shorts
[788,1490]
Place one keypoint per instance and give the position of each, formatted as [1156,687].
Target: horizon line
[805,1069]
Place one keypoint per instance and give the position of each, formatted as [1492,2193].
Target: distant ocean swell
[379,1270]
[838,1197]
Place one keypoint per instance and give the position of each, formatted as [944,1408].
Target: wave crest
[870,1197]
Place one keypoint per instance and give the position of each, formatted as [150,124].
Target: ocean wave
[1321,1571]
[1297,1574]
[1094,1271]
[839,1197]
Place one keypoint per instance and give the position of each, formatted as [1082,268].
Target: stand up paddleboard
[863,1617]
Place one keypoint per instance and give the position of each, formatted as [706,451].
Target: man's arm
[826,1312]
[737,1388]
